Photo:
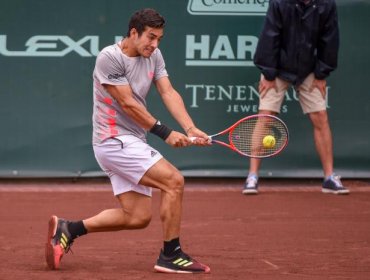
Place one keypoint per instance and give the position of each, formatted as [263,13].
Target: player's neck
[127,48]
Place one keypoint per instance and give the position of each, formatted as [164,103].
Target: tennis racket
[256,136]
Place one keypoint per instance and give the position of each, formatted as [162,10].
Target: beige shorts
[310,100]
[125,160]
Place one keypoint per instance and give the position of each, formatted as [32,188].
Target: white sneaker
[251,185]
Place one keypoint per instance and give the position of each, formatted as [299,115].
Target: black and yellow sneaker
[180,263]
[58,242]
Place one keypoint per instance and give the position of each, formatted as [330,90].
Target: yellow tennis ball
[269,141]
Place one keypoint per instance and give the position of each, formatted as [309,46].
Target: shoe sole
[249,192]
[168,270]
[335,192]
[53,253]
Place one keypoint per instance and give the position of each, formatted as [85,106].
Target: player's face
[148,41]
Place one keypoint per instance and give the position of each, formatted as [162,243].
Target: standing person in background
[299,46]
[123,75]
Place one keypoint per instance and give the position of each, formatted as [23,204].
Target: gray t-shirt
[113,67]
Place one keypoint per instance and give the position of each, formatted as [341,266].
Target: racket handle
[194,138]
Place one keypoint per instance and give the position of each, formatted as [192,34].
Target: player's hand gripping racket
[256,136]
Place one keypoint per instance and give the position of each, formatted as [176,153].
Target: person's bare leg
[169,180]
[135,213]
[136,208]
[323,140]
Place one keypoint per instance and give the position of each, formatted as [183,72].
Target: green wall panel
[47,55]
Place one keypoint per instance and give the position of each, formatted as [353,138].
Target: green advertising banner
[47,55]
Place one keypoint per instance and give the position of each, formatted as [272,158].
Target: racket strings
[248,136]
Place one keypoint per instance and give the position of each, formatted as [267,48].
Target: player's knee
[320,119]
[140,221]
[175,188]
[178,183]
[144,220]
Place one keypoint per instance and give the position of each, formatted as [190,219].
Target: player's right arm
[124,96]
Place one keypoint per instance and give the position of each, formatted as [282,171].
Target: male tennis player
[122,76]
[299,46]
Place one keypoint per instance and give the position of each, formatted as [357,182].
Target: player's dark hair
[143,18]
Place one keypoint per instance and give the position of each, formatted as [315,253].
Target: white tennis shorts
[125,159]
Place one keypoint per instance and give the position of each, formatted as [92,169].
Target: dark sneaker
[251,185]
[334,185]
[181,263]
[58,243]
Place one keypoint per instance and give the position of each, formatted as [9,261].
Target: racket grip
[194,138]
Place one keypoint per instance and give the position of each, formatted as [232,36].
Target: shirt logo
[115,76]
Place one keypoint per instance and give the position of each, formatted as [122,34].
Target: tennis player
[122,76]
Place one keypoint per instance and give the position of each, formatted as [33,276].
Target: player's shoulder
[157,55]
[157,52]
[108,55]
[109,51]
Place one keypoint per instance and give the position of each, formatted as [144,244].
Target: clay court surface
[288,231]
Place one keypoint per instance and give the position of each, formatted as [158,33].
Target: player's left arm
[175,105]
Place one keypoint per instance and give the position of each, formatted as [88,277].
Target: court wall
[47,55]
